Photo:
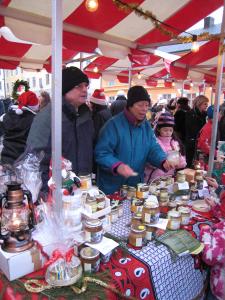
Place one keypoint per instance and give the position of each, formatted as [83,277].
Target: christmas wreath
[16,86]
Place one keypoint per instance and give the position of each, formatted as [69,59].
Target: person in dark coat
[119,104]
[179,117]
[16,125]
[221,125]
[194,121]
[100,111]
[77,127]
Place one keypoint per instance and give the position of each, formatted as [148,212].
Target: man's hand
[168,165]
[212,182]
[126,171]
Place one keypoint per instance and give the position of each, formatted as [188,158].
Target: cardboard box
[87,212]
[16,265]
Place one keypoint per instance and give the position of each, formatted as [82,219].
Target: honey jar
[85,181]
[93,231]
[142,191]
[100,199]
[185,215]
[137,205]
[137,235]
[169,180]
[149,232]
[90,259]
[136,219]
[180,177]
[131,192]
[114,214]
[123,191]
[174,220]
[91,201]
[150,213]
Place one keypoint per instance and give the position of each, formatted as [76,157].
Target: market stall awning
[115,32]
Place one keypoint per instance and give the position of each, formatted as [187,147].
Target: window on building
[47,79]
[40,83]
[111,83]
[34,81]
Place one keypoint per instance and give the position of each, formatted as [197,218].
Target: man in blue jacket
[126,143]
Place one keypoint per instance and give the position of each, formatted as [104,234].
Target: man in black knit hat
[77,126]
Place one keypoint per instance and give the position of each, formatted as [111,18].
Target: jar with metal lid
[194,194]
[184,199]
[142,191]
[93,231]
[174,220]
[91,201]
[199,182]
[185,215]
[180,177]
[152,188]
[136,219]
[169,180]
[120,210]
[90,259]
[123,191]
[114,214]
[149,232]
[85,181]
[137,235]
[150,212]
[137,205]
[131,192]
[100,199]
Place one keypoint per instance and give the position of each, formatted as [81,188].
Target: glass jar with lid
[123,191]
[90,259]
[136,219]
[137,205]
[185,215]
[149,232]
[174,220]
[85,181]
[137,235]
[180,177]
[93,231]
[114,214]
[142,191]
[150,212]
[131,192]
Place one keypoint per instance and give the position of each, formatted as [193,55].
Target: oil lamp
[17,218]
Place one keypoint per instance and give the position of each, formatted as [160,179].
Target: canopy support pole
[130,76]
[57,104]
[217,97]
[211,96]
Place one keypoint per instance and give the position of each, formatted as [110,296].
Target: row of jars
[96,203]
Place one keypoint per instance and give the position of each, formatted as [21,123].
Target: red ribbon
[56,254]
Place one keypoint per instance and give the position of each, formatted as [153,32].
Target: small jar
[100,199]
[142,191]
[192,184]
[150,213]
[123,191]
[185,215]
[120,210]
[180,177]
[90,259]
[199,182]
[149,232]
[93,231]
[152,188]
[163,193]
[136,219]
[169,181]
[85,181]
[91,201]
[194,194]
[172,205]
[137,205]
[163,182]
[114,214]
[174,220]
[136,236]
[131,192]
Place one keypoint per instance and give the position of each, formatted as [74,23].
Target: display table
[150,273]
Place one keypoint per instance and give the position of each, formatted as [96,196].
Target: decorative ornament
[91,5]
[17,86]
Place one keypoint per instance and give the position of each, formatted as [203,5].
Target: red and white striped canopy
[119,35]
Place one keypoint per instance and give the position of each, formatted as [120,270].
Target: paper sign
[105,246]
[162,224]
[183,185]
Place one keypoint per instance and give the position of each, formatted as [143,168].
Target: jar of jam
[91,201]
[93,231]
[120,210]
[142,191]
[152,188]
[199,182]
[180,177]
[137,235]
[131,192]
[174,220]
[136,219]
[194,194]
[123,191]
[185,215]
[114,214]
[149,232]
[100,199]
[85,181]
[137,205]
[90,259]
[150,212]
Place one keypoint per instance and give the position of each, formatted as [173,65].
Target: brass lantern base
[15,244]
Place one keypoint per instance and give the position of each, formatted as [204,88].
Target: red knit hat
[98,97]
[28,99]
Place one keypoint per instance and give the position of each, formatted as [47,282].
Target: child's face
[166,131]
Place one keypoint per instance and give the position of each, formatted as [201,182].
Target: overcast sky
[217,15]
